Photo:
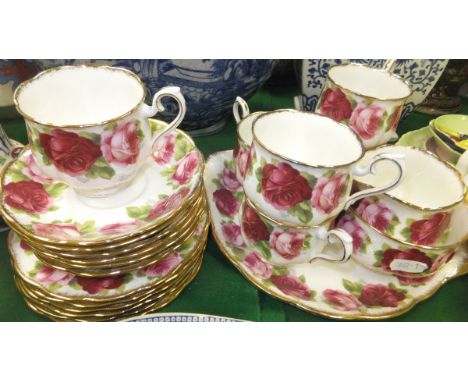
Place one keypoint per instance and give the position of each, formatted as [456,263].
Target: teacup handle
[333,236]
[397,159]
[157,106]
[240,103]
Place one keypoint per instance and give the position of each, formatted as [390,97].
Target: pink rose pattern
[375,213]
[327,193]
[186,167]
[47,275]
[164,266]
[255,263]
[287,244]
[121,146]
[225,201]
[353,228]
[232,233]
[164,149]
[57,231]
[168,204]
[341,300]
[117,228]
[366,119]
[229,180]
[33,172]
[292,286]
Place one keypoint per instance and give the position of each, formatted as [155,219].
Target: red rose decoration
[121,145]
[438,262]
[166,205]
[96,285]
[229,180]
[335,105]
[380,295]
[186,167]
[253,261]
[27,196]
[352,227]
[25,246]
[291,286]
[225,201]
[327,193]
[287,244]
[70,153]
[254,228]
[376,214]
[341,300]
[243,159]
[164,148]
[283,186]
[427,231]
[411,254]
[232,233]
[164,266]
[57,230]
[116,228]
[366,119]
[47,275]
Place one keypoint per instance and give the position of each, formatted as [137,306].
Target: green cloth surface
[219,288]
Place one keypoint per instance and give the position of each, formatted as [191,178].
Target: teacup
[244,120]
[419,210]
[285,245]
[87,125]
[367,99]
[302,167]
[412,264]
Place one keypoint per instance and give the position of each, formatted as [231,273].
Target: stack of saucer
[82,258]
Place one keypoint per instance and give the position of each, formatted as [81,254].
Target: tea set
[110,209]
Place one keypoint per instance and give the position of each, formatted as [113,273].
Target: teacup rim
[409,204]
[24,84]
[353,133]
[254,115]
[381,70]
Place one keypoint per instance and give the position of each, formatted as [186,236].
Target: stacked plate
[78,258]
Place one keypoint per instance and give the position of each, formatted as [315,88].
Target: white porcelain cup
[87,125]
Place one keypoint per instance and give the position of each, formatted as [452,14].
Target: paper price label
[409,266]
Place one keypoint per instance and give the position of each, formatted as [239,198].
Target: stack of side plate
[77,258]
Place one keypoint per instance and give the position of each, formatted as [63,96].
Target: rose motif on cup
[164,266]
[186,167]
[366,119]
[225,201]
[254,228]
[328,192]
[70,153]
[121,146]
[411,254]
[283,186]
[341,300]
[47,275]
[375,213]
[117,228]
[254,262]
[287,244]
[353,228]
[335,105]
[427,231]
[96,285]
[395,118]
[380,295]
[292,286]
[232,233]
[33,172]
[243,159]
[163,149]
[229,180]
[56,230]
[28,196]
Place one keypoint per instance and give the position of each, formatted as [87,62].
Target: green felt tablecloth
[219,288]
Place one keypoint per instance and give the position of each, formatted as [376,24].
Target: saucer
[52,212]
[181,317]
[344,291]
[64,285]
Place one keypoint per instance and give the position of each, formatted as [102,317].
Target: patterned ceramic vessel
[244,120]
[302,165]
[12,73]
[421,75]
[209,86]
[384,254]
[338,290]
[95,146]
[284,245]
[369,100]
[419,210]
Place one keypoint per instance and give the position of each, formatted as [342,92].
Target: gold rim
[325,223]
[119,297]
[38,76]
[401,79]
[406,243]
[254,117]
[446,164]
[114,239]
[266,114]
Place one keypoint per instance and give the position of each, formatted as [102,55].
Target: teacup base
[115,197]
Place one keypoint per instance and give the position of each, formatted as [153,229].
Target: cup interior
[308,138]
[244,128]
[428,182]
[369,82]
[79,95]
